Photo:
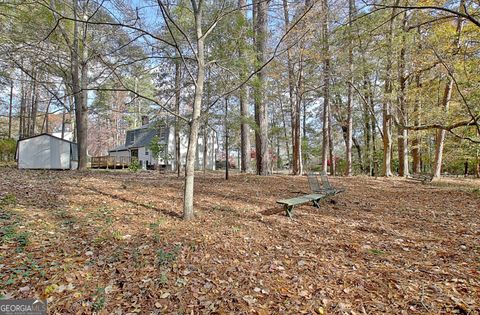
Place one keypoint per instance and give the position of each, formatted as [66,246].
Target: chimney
[144,120]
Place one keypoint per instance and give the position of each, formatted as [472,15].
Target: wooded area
[275,89]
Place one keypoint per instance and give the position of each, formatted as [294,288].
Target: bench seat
[424,178]
[289,204]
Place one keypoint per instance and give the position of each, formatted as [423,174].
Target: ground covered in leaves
[114,243]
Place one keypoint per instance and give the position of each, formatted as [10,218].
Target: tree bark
[79,77]
[326,86]
[28,108]
[34,109]
[10,106]
[261,134]
[402,133]
[367,126]
[23,105]
[243,98]
[294,103]
[64,112]
[447,96]
[188,211]
[227,166]
[178,162]
[46,118]
[287,147]
[386,109]
[416,155]
[348,149]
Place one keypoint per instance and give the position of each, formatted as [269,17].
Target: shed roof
[46,134]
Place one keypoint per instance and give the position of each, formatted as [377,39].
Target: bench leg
[315,203]
[288,210]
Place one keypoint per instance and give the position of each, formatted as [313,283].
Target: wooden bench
[289,204]
[424,178]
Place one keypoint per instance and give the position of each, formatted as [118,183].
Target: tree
[260,14]
[447,96]
[243,94]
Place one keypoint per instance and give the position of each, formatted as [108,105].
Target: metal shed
[45,151]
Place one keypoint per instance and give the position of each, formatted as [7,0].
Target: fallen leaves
[95,246]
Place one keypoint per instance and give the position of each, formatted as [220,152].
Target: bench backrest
[325,181]
[313,182]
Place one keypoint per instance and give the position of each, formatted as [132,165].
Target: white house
[45,151]
[138,141]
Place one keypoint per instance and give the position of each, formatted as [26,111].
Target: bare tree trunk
[348,149]
[359,152]
[205,147]
[477,168]
[79,93]
[333,162]
[447,96]
[10,106]
[21,128]
[261,136]
[416,140]
[63,113]
[227,166]
[178,162]
[298,102]
[197,106]
[28,107]
[34,109]
[402,133]
[244,113]
[45,118]
[72,118]
[367,126]
[294,103]
[386,110]
[326,86]
[287,147]
[374,132]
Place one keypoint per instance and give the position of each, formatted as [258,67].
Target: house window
[146,152]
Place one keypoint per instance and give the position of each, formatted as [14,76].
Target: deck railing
[110,162]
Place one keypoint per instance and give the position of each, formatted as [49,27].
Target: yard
[114,243]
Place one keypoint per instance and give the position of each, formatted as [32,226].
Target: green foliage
[8,200]
[159,150]
[9,233]
[156,148]
[99,302]
[134,165]
[7,149]
[165,257]
[377,252]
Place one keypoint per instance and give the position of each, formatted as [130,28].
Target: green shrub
[134,166]
[7,149]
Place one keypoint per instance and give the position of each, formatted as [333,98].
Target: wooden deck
[110,162]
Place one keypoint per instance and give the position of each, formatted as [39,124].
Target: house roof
[140,137]
[119,148]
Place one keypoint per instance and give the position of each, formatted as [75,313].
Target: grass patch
[99,300]
[8,200]
[10,234]
[166,257]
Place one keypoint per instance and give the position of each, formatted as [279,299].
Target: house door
[134,155]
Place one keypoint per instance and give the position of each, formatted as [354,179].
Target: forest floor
[114,243]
